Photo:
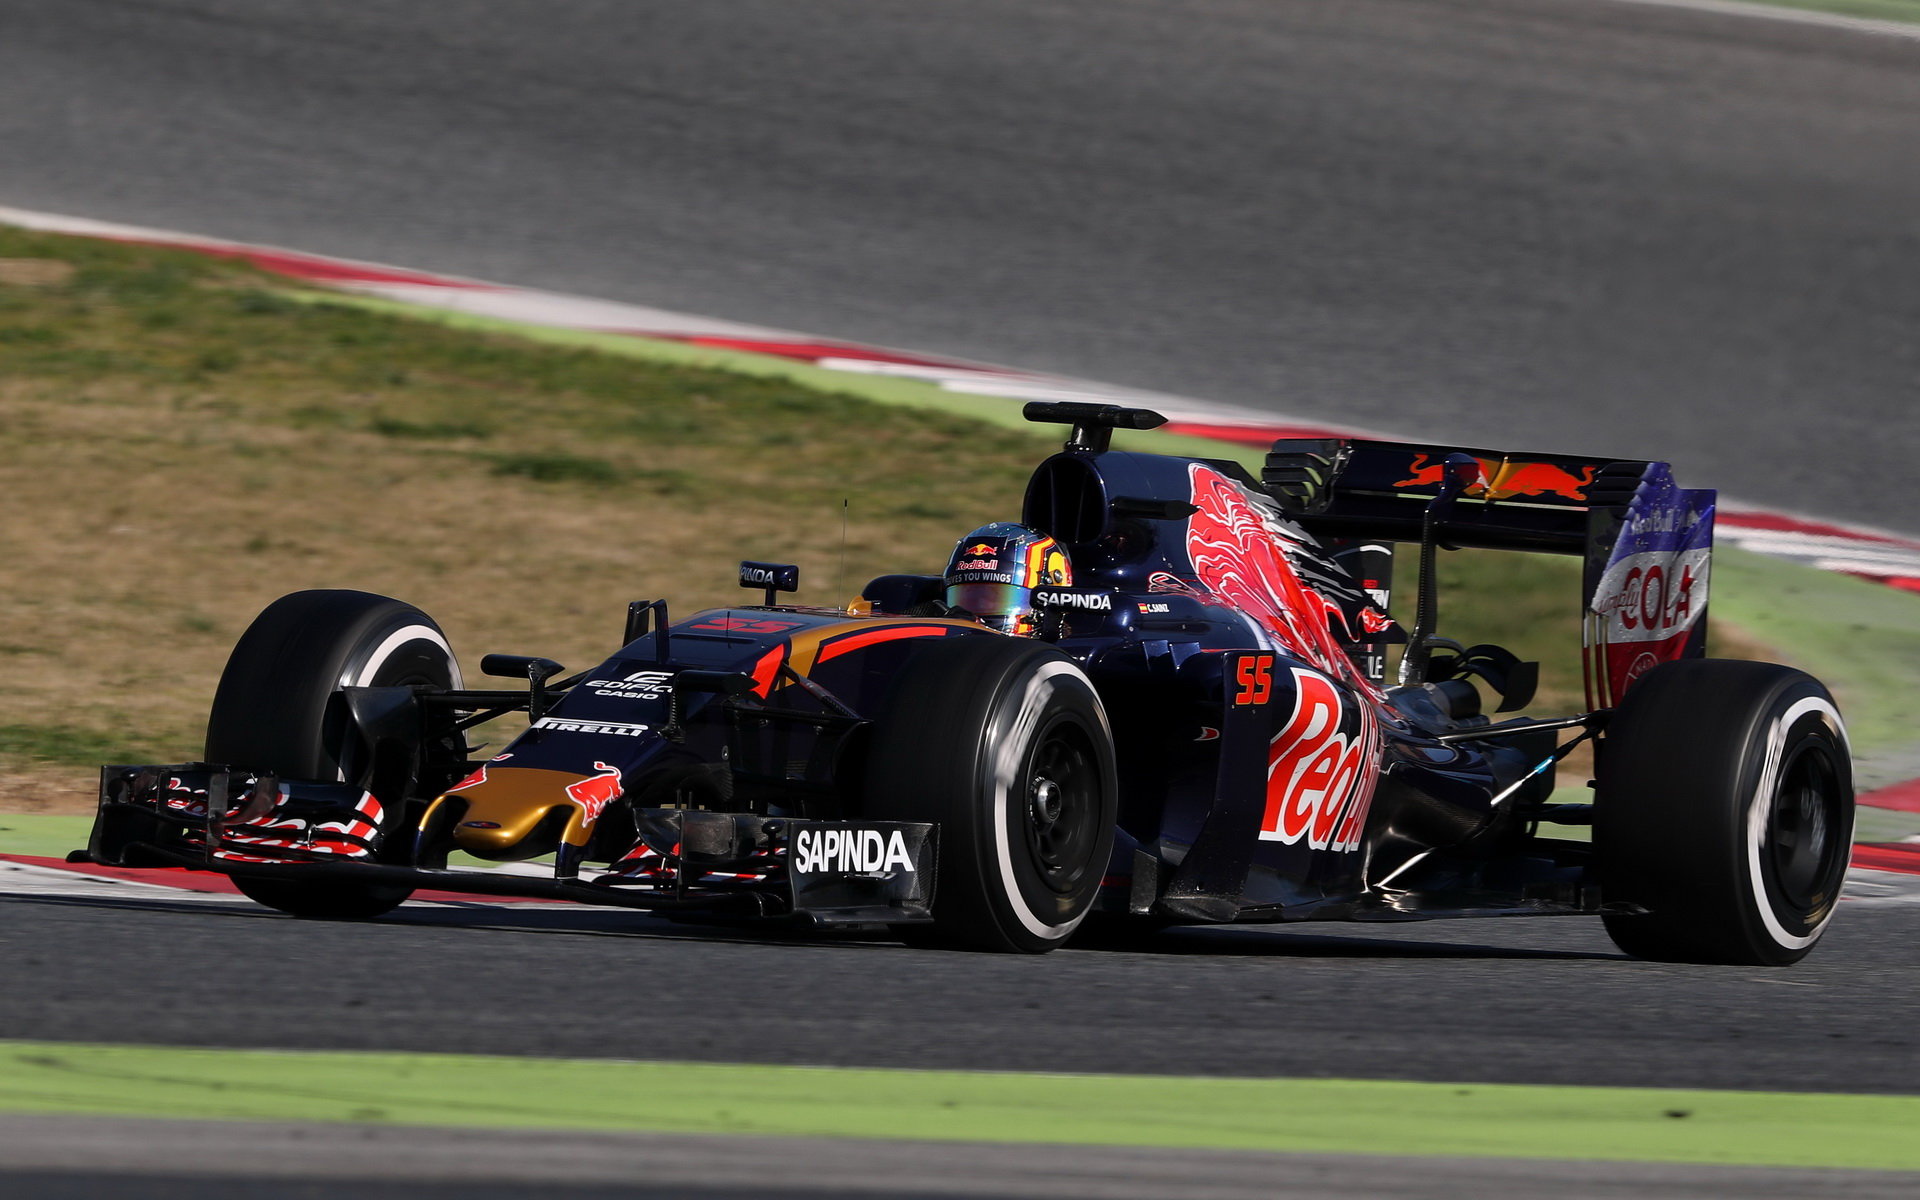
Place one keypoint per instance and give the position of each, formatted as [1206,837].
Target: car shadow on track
[1381,941]
[1270,941]
[557,920]
[578,921]
[1241,941]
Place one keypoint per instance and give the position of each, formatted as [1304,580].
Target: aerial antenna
[840,581]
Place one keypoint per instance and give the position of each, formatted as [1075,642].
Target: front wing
[687,860]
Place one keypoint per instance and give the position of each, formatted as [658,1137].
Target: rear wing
[1646,543]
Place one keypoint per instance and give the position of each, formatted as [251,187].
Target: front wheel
[279,710]
[1004,745]
[1724,809]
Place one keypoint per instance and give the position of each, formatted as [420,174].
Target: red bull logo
[595,792]
[1504,479]
[478,777]
[1321,768]
[981,548]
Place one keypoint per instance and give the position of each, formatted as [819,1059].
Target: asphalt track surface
[162,1160]
[1496,1001]
[1532,224]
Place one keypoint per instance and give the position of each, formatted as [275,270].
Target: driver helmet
[994,570]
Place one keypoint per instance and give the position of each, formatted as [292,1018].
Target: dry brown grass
[34,272]
[39,787]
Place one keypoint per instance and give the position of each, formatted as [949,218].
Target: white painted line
[1875,888]
[1848,566]
[1734,512]
[567,312]
[1801,543]
[1788,538]
[945,376]
[26,879]
[86,227]
[1833,556]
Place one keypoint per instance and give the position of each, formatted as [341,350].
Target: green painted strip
[1330,1115]
[1875,10]
[45,835]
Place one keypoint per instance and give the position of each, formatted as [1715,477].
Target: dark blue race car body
[1202,731]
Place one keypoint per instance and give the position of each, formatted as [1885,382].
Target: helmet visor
[991,600]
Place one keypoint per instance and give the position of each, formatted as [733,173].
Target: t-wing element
[775,577]
[1093,424]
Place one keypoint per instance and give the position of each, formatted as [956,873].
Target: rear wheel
[279,709]
[1724,808]
[1003,743]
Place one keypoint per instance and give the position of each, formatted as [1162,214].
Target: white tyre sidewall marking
[1006,768]
[386,649]
[395,640]
[1760,809]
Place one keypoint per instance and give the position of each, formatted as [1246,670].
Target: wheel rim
[1804,854]
[1060,807]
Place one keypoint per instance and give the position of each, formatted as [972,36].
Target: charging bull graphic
[1504,479]
[596,791]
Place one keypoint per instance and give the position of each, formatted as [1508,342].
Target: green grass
[66,745]
[558,466]
[1863,638]
[443,430]
[1299,1115]
[1879,10]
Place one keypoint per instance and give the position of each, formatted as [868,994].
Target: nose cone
[508,806]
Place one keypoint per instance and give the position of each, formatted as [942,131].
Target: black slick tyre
[1004,745]
[1724,809]
[278,709]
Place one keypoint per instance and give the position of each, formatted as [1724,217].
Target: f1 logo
[1254,673]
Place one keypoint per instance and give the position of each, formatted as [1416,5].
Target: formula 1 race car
[1162,695]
